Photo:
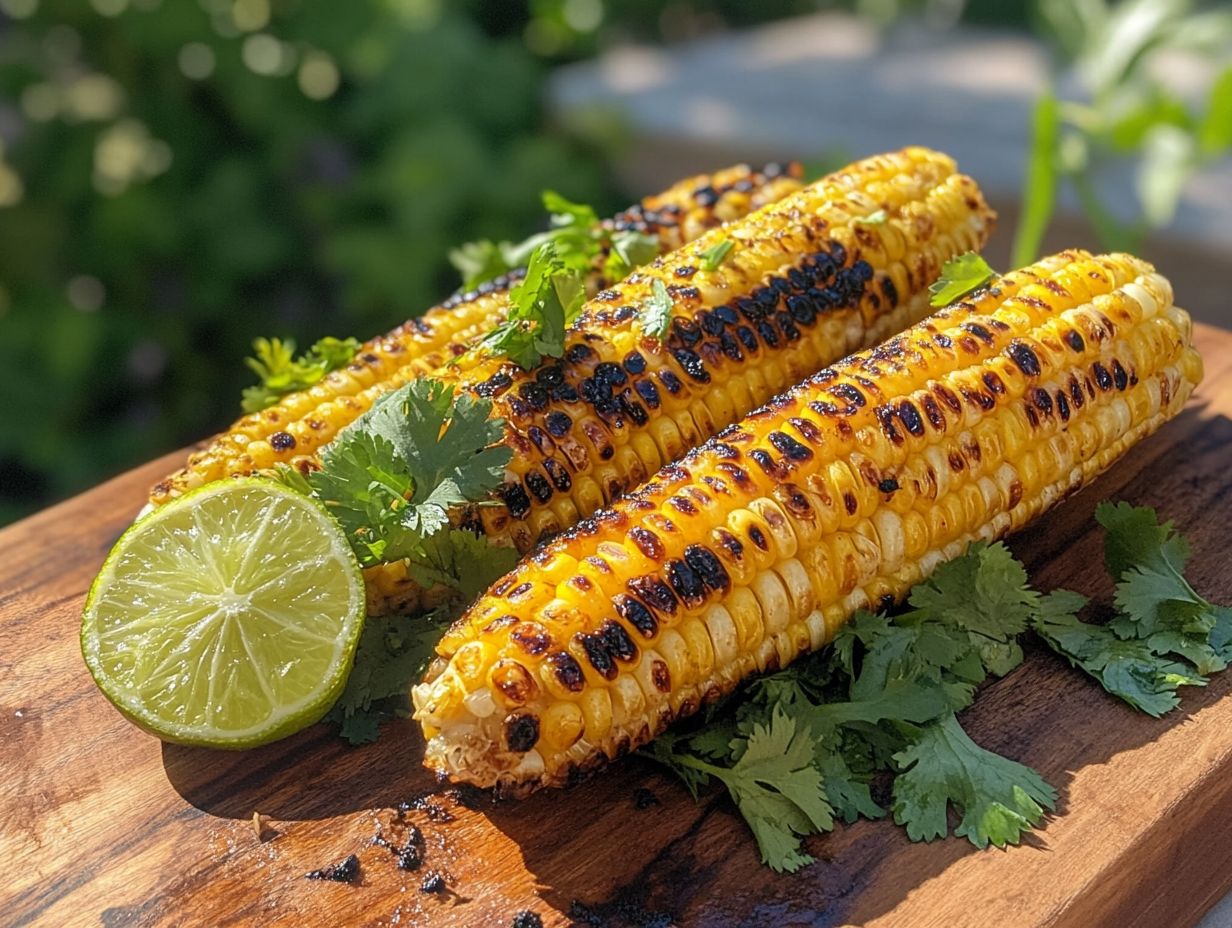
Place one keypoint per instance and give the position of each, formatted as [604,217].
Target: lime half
[227,618]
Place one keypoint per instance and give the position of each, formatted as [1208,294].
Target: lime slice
[227,618]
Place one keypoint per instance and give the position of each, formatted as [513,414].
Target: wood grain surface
[101,824]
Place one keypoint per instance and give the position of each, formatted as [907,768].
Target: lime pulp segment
[226,618]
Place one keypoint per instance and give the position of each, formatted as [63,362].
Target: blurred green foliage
[177,178]
[1119,109]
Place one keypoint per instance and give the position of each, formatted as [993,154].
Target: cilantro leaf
[846,789]
[629,250]
[461,559]
[657,312]
[282,373]
[714,256]
[1128,669]
[392,477]
[541,306]
[997,798]
[1155,600]
[960,276]
[392,654]
[774,784]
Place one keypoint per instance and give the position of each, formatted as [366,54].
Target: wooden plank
[102,825]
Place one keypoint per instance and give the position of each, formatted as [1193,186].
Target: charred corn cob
[808,279]
[300,424]
[840,494]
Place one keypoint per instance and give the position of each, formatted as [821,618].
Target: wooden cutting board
[101,824]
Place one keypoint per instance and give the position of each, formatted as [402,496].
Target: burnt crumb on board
[433,883]
[345,871]
[429,807]
[617,913]
[410,857]
[469,797]
[527,919]
[644,799]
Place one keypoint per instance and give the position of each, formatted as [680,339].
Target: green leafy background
[178,177]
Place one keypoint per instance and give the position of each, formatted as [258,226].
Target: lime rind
[227,618]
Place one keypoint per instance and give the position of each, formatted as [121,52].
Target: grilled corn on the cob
[297,427]
[836,266]
[839,494]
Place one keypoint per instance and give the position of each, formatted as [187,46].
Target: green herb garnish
[714,256]
[282,373]
[657,312]
[959,277]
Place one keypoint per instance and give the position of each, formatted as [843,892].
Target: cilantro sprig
[578,237]
[883,700]
[541,307]
[393,476]
[281,372]
[960,276]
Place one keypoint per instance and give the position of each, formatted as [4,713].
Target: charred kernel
[532,637]
[738,475]
[635,363]
[1119,377]
[978,331]
[1102,377]
[1074,339]
[790,331]
[1022,355]
[727,314]
[647,542]
[723,450]
[748,338]
[707,567]
[550,376]
[933,412]
[802,309]
[685,271]
[535,395]
[1062,406]
[799,279]
[651,590]
[789,447]
[692,364]
[846,391]
[617,641]
[581,583]
[948,397]
[943,341]
[752,310]
[768,333]
[806,428]
[671,383]
[503,622]
[683,505]
[686,583]
[567,671]
[497,384]
[636,614]
[282,441]
[887,485]
[758,537]
[521,731]
[518,591]
[910,417]
[766,297]
[850,503]
[684,331]
[661,677]
[557,424]
[578,353]
[611,374]
[538,486]
[729,345]
[597,654]
[711,324]
[889,291]
[1043,401]
[885,418]
[768,464]
[1075,392]
[565,393]
[516,499]
[648,392]
[993,382]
